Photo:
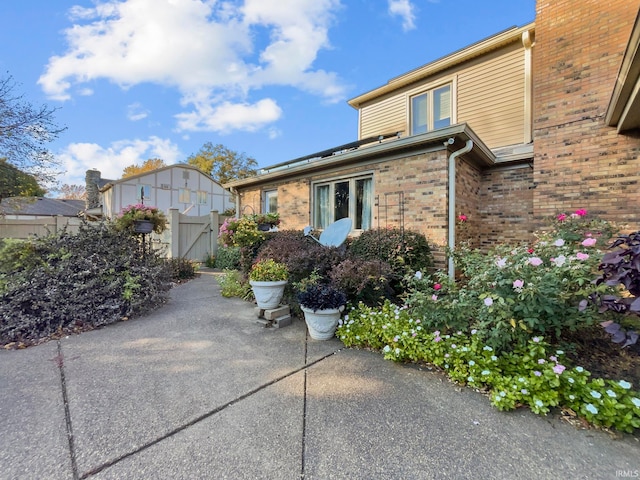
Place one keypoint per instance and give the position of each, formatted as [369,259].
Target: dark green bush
[228,258]
[181,269]
[406,251]
[70,282]
[365,281]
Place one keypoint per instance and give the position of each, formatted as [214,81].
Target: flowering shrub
[242,232]
[510,294]
[531,374]
[577,226]
[268,271]
[125,221]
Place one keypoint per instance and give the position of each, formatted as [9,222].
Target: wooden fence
[23,228]
[189,237]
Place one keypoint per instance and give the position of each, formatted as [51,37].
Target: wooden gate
[193,237]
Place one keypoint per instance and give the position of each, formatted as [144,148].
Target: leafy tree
[24,132]
[222,163]
[147,166]
[16,183]
[73,192]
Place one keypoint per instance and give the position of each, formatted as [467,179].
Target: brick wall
[580,162]
[506,206]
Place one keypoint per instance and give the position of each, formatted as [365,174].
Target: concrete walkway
[198,390]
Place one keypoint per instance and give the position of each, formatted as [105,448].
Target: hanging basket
[143,226]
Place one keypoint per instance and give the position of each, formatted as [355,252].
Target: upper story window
[143,192]
[431,110]
[351,197]
[184,195]
[271,201]
[202,197]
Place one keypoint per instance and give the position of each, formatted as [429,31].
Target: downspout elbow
[451,243]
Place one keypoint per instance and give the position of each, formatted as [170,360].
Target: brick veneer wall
[506,206]
[579,161]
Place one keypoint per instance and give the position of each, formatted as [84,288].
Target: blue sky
[139,79]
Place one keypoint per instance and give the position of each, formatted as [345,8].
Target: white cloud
[136,112]
[226,116]
[77,158]
[205,49]
[403,9]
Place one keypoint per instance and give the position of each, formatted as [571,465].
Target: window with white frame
[351,197]
[184,195]
[431,110]
[201,197]
[271,201]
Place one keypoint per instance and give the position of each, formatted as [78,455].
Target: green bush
[66,282]
[232,284]
[406,251]
[532,374]
[510,294]
[181,268]
[228,258]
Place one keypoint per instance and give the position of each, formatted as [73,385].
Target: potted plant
[268,279]
[322,306]
[267,221]
[141,218]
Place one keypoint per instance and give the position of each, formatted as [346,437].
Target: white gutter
[452,198]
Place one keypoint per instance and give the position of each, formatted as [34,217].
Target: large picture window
[431,110]
[352,198]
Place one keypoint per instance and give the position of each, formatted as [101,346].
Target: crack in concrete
[195,421]
[67,413]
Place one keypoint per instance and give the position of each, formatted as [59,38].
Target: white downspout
[235,193]
[452,198]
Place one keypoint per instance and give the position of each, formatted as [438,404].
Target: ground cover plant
[514,323]
[71,282]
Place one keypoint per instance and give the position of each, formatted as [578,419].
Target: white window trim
[265,202]
[341,178]
[453,81]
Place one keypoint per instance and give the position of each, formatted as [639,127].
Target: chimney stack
[92,180]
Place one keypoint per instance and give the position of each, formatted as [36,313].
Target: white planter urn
[322,324]
[268,294]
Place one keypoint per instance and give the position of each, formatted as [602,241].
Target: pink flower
[581,212]
[562,217]
[559,369]
[530,250]
[501,262]
[462,218]
[437,339]
[434,297]
[589,242]
[488,301]
[535,261]
[582,256]
[437,286]
[518,284]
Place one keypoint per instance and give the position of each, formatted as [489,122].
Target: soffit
[623,111]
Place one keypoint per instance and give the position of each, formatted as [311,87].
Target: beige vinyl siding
[386,116]
[491,98]
[488,94]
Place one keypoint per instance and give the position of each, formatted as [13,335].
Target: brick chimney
[92,180]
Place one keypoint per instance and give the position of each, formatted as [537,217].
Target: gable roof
[506,37]
[41,206]
[185,166]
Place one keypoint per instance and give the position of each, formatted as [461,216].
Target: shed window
[431,110]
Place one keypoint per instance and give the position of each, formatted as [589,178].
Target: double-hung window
[431,110]
[345,198]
